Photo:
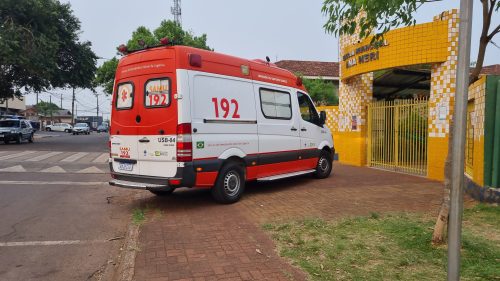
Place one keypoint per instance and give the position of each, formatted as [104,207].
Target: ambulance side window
[125,96]
[307,110]
[275,104]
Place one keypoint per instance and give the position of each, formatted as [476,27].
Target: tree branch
[494,32]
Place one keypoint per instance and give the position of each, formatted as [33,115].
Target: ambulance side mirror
[322,118]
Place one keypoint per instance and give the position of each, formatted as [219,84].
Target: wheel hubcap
[232,183]
[323,164]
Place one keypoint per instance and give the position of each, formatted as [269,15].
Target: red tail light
[184,143]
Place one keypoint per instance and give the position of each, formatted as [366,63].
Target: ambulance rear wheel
[230,183]
[165,192]
[324,166]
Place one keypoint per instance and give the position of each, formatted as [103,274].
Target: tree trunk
[438,237]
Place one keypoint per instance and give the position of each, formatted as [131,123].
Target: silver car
[16,130]
[81,128]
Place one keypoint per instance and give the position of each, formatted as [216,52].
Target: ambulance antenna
[177,12]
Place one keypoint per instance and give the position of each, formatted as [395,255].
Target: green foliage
[106,73]
[39,48]
[321,91]
[380,16]
[141,33]
[46,108]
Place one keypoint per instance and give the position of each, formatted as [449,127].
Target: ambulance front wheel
[230,183]
[324,166]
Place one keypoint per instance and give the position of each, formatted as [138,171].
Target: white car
[59,127]
[81,128]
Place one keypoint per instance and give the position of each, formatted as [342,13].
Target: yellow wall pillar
[441,100]
[354,96]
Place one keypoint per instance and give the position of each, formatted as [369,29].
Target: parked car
[16,117]
[35,125]
[60,127]
[81,128]
[102,128]
[16,130]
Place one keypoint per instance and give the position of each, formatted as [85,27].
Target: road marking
[17,168]
[55,169]
[10,156]
[53,183]
[74,157]
[44,156]
[102,158]
[50,243]
[91,170]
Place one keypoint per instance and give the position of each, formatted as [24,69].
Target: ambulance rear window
[157,93]
[125,95]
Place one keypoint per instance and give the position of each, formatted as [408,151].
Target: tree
[382,16]
[46,108]
[321,91]
[40,48]
[169,29]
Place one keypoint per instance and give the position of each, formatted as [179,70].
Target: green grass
[390,247]
[138,216]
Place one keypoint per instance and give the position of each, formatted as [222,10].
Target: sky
[280,29]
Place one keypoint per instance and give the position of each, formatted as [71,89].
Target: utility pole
[97,97]
[458,141]
[73,108]
[50,108]
[61,101]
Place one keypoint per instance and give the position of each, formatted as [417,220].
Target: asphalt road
[59,218]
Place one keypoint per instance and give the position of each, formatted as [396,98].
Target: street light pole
[458,141]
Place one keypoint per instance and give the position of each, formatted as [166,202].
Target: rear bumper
[138,185]
[186,175]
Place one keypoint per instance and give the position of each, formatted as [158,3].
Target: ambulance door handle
[303,129]
[293,129]
[144,140]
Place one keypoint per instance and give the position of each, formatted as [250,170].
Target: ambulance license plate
[125,166]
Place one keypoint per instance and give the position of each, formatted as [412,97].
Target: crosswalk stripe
[74,157]
[15,155]
[55,169]
[16,169]
[102,158]
[44,156]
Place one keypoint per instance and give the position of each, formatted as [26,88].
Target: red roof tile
[491,69]
[311,68]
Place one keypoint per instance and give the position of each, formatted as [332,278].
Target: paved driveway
[189,237]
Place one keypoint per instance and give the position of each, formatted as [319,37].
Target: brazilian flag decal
[200,144]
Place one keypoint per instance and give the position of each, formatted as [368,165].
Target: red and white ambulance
[185,117]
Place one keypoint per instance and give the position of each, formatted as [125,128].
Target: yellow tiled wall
[418,44]
[441,99]
[429,43]
[477,93]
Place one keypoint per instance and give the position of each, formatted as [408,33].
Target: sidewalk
[193,238]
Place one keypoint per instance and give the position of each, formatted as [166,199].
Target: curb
[126,259]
